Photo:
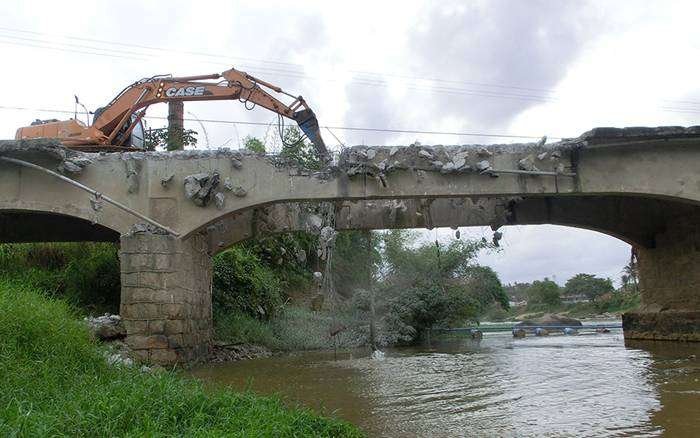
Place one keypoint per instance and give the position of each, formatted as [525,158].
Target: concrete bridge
[640,185]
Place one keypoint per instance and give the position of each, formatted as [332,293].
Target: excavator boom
[113,124]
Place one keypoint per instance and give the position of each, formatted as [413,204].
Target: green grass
[54,381]
[84,274]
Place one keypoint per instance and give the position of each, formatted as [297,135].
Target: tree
[159,138]
[483,284]
[588,285]
[433,284]
[517,291]
[254,144]
[241,283]
[298,151]
[544,293]
[352,265]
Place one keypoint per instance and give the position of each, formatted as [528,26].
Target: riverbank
[57,381]
[605,308]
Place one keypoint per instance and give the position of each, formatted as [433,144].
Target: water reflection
[592,385]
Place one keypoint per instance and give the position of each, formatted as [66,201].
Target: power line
[161,49]
[213,55]
[378,81]
[344,128]
[76,48]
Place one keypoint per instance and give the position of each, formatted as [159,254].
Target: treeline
[581,294]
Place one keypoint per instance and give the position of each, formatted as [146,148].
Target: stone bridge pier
[669,282]
[166,296]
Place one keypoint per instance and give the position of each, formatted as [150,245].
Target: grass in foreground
[54,381]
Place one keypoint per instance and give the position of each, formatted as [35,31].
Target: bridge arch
[28,225]
[635,220]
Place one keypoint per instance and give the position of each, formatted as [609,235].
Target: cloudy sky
[527,68]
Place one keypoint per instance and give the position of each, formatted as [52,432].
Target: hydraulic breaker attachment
[308,123]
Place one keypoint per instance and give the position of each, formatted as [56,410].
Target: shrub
[92,281]
[242,284]
[86,274]
[241,328]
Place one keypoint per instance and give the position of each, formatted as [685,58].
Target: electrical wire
[346,128]
[370,79]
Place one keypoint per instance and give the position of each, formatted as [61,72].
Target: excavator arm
[113,124]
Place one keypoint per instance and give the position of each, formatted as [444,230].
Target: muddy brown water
[586,385]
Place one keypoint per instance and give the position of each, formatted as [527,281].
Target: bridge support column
[670,286]
[166,297]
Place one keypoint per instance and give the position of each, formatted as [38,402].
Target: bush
[93,281]
[241,328]
[242,284]
[55,382]
[85,274]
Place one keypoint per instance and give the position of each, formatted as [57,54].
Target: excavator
[118,126]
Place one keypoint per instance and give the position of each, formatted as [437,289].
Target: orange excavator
[118,126]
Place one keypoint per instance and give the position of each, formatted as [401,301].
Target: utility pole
[176,125]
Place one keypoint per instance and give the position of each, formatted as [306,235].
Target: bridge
[171,212]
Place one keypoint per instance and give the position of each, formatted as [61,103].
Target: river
[585,385]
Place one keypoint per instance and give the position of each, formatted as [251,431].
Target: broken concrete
[528,164]
[228,184]
[239,192]
[106,327]
[199,187]
[220,200]
[133,167]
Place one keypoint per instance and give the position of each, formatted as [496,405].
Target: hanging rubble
[199,187]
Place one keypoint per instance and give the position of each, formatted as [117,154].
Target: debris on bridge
[67,161]
[379,161]
[199,187]
[220,200]
[133,168]
[144,228]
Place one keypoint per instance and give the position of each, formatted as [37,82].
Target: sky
[555,68]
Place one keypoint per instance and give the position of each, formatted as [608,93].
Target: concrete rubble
[220,200]
[381,160]
[133,168]
[528,164]
[70,162]
[326,242]
[144,228]
[314,223]
[200,186]
[106,327]
[228,184]
[239,192]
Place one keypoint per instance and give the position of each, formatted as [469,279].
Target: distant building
[574,298]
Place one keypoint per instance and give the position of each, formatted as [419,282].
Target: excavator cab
[137,137]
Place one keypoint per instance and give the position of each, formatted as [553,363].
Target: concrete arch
[633,219]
